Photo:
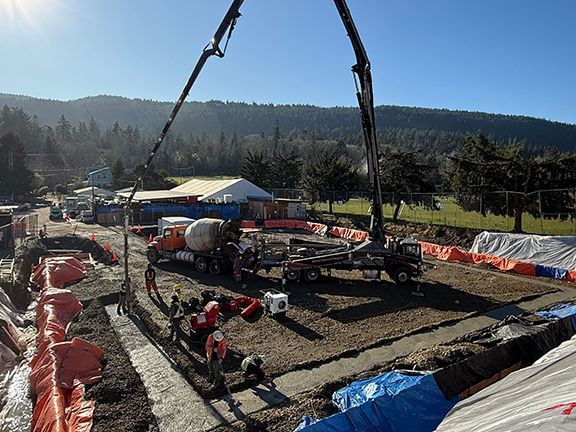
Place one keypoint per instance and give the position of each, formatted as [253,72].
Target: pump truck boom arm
[212,48]
[361,70]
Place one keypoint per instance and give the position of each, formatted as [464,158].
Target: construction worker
[215,353]
[252,365]
[122,299]
[238,264]
[178,291]
[176,316]
[150,278]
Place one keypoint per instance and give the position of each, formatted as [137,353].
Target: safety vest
[246,362]
[150,275]
[220,350]
[179,310]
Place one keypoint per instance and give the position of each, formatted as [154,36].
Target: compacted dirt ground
[338,316]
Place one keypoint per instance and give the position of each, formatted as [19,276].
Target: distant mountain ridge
[212,117]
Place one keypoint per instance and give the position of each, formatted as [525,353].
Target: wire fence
[544,212]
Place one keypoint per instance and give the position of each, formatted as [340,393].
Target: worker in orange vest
[215,354]
[150,278]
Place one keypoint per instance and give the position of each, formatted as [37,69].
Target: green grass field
[454,215]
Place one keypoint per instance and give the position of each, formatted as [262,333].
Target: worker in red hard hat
[215,354]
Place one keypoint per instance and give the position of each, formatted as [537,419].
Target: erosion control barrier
[397,402]
[452,253]
[61,368]
[314,228]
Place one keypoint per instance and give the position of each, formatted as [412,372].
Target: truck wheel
[401,276]
[292,275]
[201,264]
[216,267]
[153,255]
[312,275]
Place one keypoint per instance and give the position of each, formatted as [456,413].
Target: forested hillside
[215,138]
[214,117]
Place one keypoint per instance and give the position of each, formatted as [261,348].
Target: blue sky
[502,56]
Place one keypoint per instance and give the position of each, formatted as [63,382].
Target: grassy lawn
[454,215]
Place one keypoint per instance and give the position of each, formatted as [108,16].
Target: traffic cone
[107,247]
[150,238]
[92,237]
[139,230]
[114,257]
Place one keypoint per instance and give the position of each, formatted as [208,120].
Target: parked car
[86,216]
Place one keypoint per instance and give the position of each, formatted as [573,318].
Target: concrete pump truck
[401,259]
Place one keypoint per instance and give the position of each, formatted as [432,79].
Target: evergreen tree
[256,169]
[64,131]
[117,170]
[401,172]
[286,170]
[480,167]
[329,172]
[15,177]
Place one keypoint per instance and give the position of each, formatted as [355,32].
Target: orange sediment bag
[349,233]
[248,224]
[250,304]
[572,275]
[60,368]
[452,253]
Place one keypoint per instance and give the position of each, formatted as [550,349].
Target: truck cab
[172,238]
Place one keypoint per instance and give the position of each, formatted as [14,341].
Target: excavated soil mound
[73,242]
[439,234]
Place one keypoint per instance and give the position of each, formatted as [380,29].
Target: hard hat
[218,336]
[177,287]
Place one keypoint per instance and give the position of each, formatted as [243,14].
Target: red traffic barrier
[92,237]
[114,257]
[107,247]
[150,238]
[139,230]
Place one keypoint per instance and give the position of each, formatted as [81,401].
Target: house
[99,176]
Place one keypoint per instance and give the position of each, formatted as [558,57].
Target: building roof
[97,191]
[156,195]
[240,189]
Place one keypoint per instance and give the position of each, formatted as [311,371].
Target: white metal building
[232,190]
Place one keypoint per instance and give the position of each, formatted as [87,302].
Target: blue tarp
[195,211]
[551,272]
[390,402]
[560,311]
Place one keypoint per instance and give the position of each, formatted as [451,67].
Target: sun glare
[27,14]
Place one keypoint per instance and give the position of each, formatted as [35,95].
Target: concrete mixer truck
[208,244]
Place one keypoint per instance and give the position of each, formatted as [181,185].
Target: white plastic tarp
[550,251]
[541,397]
